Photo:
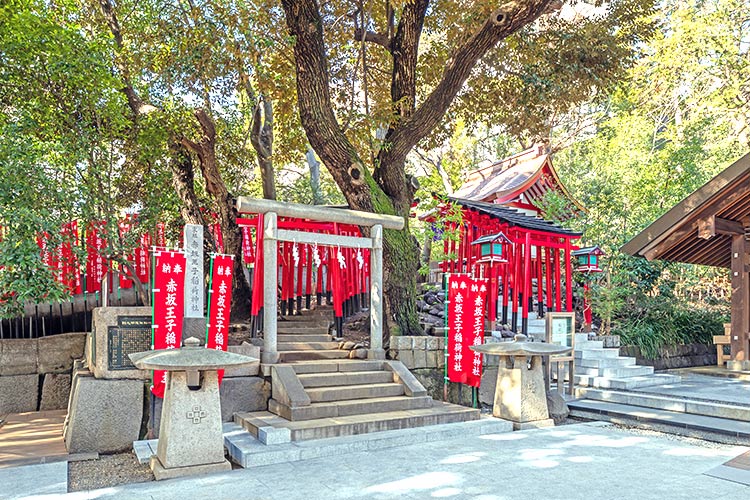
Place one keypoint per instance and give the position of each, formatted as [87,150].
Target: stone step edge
[693,406]
[248,452]
[632,382]
[673,424]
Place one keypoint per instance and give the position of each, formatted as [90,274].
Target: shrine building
[502,237]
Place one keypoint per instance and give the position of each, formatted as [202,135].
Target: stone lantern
[190,434]
[520,392]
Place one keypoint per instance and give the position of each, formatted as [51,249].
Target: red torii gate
[343,282]
[537,249]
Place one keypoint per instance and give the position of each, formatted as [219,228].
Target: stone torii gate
[272,235]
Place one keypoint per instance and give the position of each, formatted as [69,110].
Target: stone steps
[614,362]
[667,403]
[306,346]
[599,353]
[309,355]
[301,328]
[349,392]
[617,372]
[334,409]
[625,383]
[700,426]
[247,451]
[439,413]
[351,378]
[303,337]
[344,366]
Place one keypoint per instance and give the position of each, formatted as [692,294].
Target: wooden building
[711,227]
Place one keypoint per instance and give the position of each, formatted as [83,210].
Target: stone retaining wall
[680,356]
[419,352]
[35,373]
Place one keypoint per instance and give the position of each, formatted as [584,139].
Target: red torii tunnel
[535,250]
[342,275]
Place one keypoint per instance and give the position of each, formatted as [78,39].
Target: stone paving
[728,390]
[581,461]
[32,437]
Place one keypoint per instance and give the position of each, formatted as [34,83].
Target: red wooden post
[539,283]
[568,278]
[300,269]
[548,276]
[308,275]
[526,284]
[558,281]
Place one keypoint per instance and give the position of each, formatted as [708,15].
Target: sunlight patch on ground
[464,458]
[580,460]
[445,492]
[603,441]
[421,482]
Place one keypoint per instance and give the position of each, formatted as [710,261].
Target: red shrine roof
[520,180]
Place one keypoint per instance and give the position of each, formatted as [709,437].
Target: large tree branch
[314,102]
[503,22]
[372,37]
[405,49]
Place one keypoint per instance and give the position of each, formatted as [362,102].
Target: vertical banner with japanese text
[168,306]
[465,322]
[247,245]
[95,264]
[219,301]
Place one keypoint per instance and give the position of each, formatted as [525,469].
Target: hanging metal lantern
[588,259]
[492,247]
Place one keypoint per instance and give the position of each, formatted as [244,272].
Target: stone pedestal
[116,333]
[519,392]
[190,433]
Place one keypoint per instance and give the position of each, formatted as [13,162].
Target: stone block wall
[35,374]
[679,356]
[419,352]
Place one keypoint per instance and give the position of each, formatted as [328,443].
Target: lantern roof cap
[491,238]
[192,357]
[594,250]
[520,347]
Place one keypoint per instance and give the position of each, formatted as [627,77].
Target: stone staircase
[330,398]
[306,337]
[317,392]
[601,367]
[720,422]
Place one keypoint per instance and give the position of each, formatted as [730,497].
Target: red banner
[218,237]
[168,304]
[247,245]
[466,298]
[161,234]
[70,273]
[124,227]
[96,266]
[141,258]
[219,303]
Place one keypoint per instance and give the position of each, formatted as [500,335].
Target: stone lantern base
[520,396]
[190,435]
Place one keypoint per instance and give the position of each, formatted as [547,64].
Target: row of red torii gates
[533,250]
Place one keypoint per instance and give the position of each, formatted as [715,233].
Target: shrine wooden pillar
[548,276]
[740,312]
[539,283]
[558,281]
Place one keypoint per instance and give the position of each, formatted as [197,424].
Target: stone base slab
[537,424]
[161,472]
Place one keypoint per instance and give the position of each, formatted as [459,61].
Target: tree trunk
[314,164]
[224,204]
[261,137]
[400,267]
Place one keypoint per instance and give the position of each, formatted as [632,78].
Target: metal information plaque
[132,334]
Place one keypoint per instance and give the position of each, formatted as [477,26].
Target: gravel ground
[108,470]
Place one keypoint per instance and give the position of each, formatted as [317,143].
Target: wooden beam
[712,225]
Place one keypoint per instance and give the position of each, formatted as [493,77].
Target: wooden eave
[675,235]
